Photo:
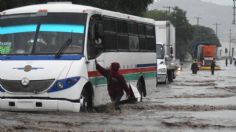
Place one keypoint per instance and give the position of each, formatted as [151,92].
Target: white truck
[165,49]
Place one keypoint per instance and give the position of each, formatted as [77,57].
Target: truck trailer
[165,47]
[205,54]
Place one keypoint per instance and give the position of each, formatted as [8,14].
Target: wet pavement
[201,102]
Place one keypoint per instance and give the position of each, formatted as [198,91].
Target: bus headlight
[60,85]
[63,84]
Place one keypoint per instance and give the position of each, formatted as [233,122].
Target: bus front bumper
[38,105]
[161,77]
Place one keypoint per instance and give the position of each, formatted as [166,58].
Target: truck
[206,52]
[165,49]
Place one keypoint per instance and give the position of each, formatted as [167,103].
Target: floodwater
[201,102]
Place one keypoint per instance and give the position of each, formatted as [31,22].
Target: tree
[156,15]
[203,34]
[184,30]
[7,4]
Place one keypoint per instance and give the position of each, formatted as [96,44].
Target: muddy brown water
[201,102]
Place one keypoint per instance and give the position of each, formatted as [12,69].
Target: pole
[169,8]
[230,31]
[216,24]
[234,22]
[198,18]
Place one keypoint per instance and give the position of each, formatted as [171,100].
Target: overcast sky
[221,2]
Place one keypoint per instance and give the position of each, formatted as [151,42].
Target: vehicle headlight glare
[60,85]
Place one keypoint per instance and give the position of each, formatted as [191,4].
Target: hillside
[209,14]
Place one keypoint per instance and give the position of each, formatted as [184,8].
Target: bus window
[133,43]
[133,28]
[142,39]
[110,34]
[122,35]
[95,41]
[43,34]
[150,37]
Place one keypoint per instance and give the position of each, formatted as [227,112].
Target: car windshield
[42,33]
[160,51]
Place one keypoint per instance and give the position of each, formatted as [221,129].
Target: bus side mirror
[98,35]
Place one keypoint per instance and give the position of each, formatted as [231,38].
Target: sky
[221,2]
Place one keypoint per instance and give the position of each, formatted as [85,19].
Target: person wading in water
[116,83]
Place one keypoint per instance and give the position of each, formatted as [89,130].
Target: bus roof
[73,8]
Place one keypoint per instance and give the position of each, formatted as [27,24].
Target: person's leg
[117,102]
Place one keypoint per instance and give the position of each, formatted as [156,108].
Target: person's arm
[102,70]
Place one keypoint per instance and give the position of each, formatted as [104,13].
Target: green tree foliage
[135,7]
[7,4]
[184,31]
[156,15]
[203,34]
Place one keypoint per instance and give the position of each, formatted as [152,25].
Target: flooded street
[199,102]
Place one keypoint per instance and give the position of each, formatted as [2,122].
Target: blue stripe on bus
[43,28]
[18,29]
[40,57]
[146,65]
[62,28]
[1,89]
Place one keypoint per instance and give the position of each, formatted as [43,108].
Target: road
[201,102]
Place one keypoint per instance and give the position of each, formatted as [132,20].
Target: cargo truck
[165,47]
[206,53]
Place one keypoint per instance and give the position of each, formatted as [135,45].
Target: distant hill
[210,14]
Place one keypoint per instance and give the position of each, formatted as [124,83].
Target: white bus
[48,52]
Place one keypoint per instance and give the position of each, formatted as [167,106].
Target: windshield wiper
[64,46]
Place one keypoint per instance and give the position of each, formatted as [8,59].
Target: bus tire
[141,87]
[86,99]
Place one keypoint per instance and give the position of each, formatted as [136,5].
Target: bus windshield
[160,51]
[42,33]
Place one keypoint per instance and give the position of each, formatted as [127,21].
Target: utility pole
[216,24]
[234,22]
[230,32]
[169,8]
[168,11]
[198,18]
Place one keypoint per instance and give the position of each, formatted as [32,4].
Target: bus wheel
[86,99]
[141,87]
